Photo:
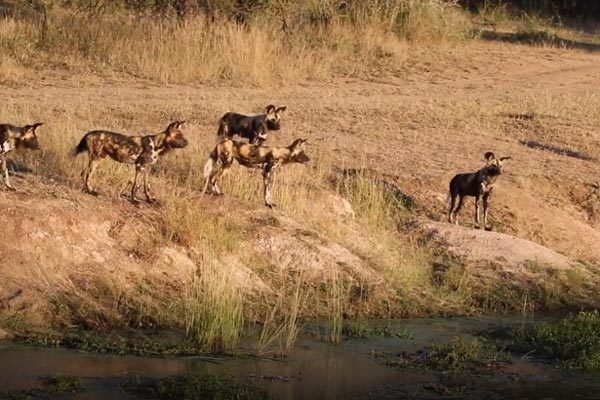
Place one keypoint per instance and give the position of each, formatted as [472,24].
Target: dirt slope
[419,128]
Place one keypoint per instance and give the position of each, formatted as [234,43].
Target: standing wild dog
[250,156]
[143,151]
[15,137]
[477,184]
[255,128]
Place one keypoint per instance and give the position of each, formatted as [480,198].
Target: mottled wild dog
[267,158]
[255,128]
[478,184]
[16,137]
[143,151]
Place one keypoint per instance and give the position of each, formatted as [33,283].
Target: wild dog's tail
[449,201]
[82,147]
[209,166]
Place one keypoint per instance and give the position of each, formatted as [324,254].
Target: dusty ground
[419,127]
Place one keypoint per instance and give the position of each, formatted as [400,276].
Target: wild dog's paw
[10,188]
[488,228]
[92,192]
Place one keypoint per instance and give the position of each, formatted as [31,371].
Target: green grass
[572,342]
[460,356]
[112,344]
[62,384]
[192,387]
[52,386]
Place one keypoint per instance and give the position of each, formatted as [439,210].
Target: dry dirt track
[429,121]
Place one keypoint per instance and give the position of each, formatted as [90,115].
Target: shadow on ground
[537,38]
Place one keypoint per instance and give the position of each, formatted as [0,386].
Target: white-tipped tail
[208,169]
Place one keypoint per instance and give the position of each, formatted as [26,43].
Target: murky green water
[314,370]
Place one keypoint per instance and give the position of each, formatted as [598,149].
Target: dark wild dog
[478,184]
[255,128]
[250,156]
[16,137]
[143,151]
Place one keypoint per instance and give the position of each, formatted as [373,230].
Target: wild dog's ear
[36,125]
[504,158]
[180,123]
[280,109]
[488,156]
[270,109]
[173,126]
[296,143]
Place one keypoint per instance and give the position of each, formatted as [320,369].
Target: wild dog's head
[174,137]
[273,117]
[297,152]
[493,164]
[28,138]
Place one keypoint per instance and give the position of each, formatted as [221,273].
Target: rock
[340,206]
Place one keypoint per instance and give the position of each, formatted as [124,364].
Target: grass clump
[62,384]
[214,316]
[196,387]
[572,342]
[361,330]
[52,386]
[471,356]
[281,324]
[112,344]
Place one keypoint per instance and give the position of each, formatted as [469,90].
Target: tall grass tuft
[281,324]
[214,312]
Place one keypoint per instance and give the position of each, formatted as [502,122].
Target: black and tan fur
[255,128]
[251,156]
[143,151]
[478,184]
[16,137]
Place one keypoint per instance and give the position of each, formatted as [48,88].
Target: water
[314,370]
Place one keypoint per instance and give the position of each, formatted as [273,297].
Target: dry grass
[165,50]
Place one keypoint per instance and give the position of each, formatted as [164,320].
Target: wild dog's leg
[5,175]
[87,174]
[458,207]
[452,203]
[486,209]
[139,170]
[477,198]
[268,171]
[221,166]
[214,177]
[149,197]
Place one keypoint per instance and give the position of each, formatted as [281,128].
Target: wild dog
[251,156]
[478,184]
[143,151]
[255,128]
[16,137]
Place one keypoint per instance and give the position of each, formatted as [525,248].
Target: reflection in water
[314,370]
